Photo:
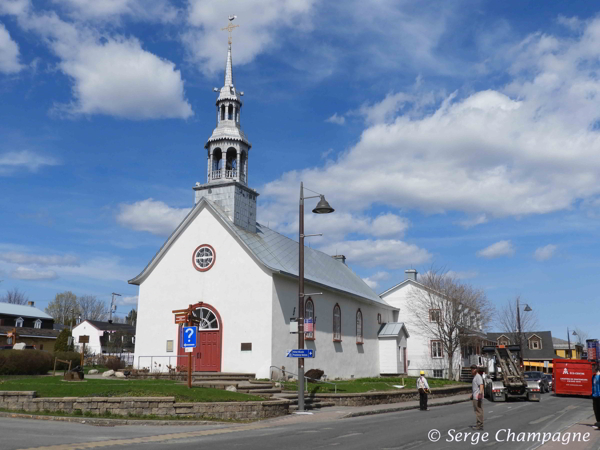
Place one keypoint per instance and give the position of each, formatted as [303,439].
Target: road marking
[348,435]
[541,419]
[148,439]
[309,431]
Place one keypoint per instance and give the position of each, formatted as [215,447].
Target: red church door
[206,357]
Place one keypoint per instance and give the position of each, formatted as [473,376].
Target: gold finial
[230,27]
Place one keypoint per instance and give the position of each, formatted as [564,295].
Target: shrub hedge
[114,363]
[25,362]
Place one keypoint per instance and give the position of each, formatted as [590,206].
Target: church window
[230,113]
[204,258]
[206,319]
[337,323]
[359,327]
[222,112]
[379,318]
[309,319]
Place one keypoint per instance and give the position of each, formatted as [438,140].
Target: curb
[399,408]
[111,422]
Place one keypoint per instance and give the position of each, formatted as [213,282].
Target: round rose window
[204,257]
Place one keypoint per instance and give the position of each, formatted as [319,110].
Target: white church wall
[418,351]
[338,359]
[236,286]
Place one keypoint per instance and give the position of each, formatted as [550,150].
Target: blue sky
[457,134]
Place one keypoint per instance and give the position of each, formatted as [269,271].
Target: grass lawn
[48,386]
[369,384]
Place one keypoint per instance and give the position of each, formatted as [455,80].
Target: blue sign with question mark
[189,336]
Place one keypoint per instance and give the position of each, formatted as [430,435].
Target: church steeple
[227,151]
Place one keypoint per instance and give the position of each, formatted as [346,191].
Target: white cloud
[390,253]
[111,74]
[474,221]
[339,120]
[9,53]
[260,21]
[11,162]
[500,248]
[386,109]
[154,10]
[40,260]
[374,280]
[27,273]
[127,300]
[105,268]
[532,147]
[545,253]
[151,215]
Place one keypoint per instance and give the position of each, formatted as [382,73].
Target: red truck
[572,376]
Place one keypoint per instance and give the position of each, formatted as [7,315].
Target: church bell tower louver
[227,151]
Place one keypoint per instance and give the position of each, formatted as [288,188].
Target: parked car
[548,377]
[539,377]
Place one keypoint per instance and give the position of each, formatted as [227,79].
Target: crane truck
[506,378]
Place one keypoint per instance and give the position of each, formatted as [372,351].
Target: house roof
[562,343]
[392,329]
[107,326]
[546,353]
[22,311]
[279,254]
[30,332]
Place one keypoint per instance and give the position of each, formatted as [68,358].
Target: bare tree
[448,311]
[91,308]
[508,320]
[63,308]
[15,296]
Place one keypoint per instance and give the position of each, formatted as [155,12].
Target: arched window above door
[207,320]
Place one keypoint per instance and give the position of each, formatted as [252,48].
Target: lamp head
[527,308]
[575,333]
[323,207]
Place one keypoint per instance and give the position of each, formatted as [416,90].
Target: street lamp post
[569,341]
[519,331]
[321,208]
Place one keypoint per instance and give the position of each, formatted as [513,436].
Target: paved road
[392,431]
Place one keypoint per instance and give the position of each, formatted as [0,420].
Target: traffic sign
[189,336]
[301,353]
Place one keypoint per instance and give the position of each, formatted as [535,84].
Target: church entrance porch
[206,357]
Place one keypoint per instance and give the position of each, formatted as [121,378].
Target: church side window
[337,323]
[359,327]
[309,320]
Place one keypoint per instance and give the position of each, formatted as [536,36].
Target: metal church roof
[392,329]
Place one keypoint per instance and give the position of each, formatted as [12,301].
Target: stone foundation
[142,406]
[385,397]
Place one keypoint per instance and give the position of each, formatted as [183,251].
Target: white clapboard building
[242,279]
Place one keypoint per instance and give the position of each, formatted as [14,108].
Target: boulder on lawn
[231,388]
[119,375]
[108,373]
[92,372]
[315,374]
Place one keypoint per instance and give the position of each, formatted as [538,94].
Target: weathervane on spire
[230,27]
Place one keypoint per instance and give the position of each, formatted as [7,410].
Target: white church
[242,279]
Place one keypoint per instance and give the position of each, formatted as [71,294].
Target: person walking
[423,388]
[596,395]
[477,397]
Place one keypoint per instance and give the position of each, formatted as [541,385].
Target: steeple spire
[229,70]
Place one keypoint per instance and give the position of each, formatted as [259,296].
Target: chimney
[410,274]
[341,258]
[30,303]
[110,321]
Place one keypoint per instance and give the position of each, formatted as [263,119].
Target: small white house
[102,336]
[393,349]
[242,280]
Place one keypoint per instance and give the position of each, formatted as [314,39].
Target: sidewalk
[344,412]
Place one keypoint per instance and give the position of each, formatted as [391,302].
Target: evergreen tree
[62,342]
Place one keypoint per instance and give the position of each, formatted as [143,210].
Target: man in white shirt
[477,397]
[423,388]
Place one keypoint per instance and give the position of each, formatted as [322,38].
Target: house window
[535,345]
[337,323]
[379,318]
[434,315]
[37,324]
[133,339]
[359,327]
[41,346]
[438,373]
[436,349]
[309,320]
[19,322]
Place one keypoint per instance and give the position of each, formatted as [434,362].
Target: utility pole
[113,306]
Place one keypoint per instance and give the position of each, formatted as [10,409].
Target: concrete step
[213,375]
[260,391]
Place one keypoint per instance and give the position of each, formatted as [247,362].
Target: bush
[62,342]
[25,362]
[114,363]
[74,357]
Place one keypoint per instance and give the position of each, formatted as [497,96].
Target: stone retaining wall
[142,406]
[384,397]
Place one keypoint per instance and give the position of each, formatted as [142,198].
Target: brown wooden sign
[84,339]
[181,318]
